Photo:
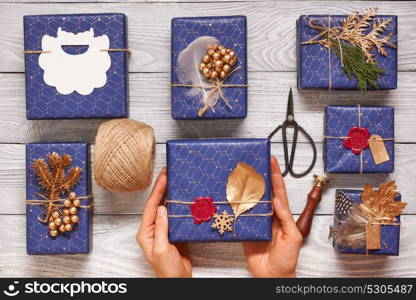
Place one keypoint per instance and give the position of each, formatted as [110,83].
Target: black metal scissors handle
[290,122]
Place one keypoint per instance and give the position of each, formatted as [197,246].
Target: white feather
[188,65]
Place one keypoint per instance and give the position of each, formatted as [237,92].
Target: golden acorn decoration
[63,219]
[218,62]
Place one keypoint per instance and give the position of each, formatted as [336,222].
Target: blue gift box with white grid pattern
[390,234]
[231,31]
[338,122]
[44,101]
[38,240]
[317,69]
[200,168]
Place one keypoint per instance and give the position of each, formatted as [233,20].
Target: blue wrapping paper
[390,234]
[231,31]
[44,101]
[313,69]
[38,240]
[200,168]
[339,120]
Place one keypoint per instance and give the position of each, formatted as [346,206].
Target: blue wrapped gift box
[339,120]
[390,234]
[314,71]
[231,32]
[73,78]
[37,234]
[200,168]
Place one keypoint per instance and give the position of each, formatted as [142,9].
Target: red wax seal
[202,209]
[357,139]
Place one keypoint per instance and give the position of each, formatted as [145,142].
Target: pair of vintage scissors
[290,122]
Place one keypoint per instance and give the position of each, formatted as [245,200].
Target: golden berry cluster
[64,220]
[218,62]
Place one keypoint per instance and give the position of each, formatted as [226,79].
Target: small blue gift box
[340,121]
[199,169]
[230,32]
[317,69]
[38,238]
[75,66]
[389,234]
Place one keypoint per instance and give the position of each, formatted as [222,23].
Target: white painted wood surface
[272,63]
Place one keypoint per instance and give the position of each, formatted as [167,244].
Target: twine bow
[215,88]
[333,34]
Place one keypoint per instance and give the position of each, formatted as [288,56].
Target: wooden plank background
[272,65]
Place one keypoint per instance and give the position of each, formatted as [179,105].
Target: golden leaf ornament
[245,188]
[380,204]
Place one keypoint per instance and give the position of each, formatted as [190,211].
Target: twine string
[221,202]
[329,57]
[124,155]
[53,203]
[216,202]
[129,52]
[269,214]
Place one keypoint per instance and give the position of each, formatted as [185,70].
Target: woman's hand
[277,258]
[166,259]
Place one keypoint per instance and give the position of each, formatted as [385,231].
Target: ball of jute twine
[124,151]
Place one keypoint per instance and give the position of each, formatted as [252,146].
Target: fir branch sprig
[356,64]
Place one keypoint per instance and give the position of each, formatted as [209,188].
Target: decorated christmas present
[355,52]
[359,139]
[209,67]
[58,203]
[75,66]
[367,221]
[219,190]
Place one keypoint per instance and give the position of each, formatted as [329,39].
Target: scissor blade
[290,105]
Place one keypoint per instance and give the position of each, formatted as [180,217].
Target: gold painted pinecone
[218,62]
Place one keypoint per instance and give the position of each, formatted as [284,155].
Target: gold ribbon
[216,87]
[347,137]
[129,52]
[54,203]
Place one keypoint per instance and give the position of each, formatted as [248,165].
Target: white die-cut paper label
[82,72]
